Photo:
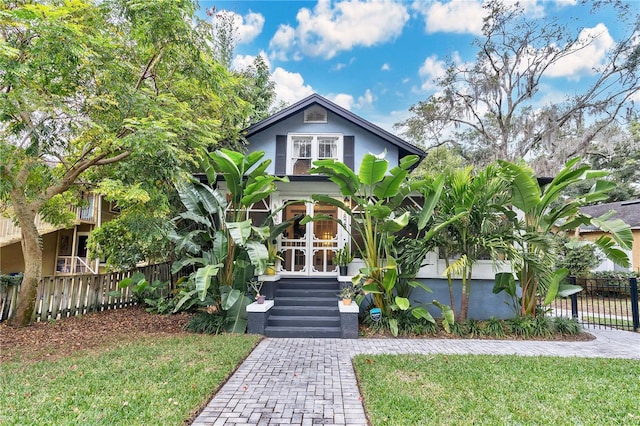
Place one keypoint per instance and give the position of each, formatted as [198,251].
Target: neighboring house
[311,129]
[64,250]
[629,212]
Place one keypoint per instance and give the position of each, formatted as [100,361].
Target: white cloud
[456,16]
[597,42]
[349,102]
[248,27]
[434,69]
[241,62]
[385,67]
[282,42]
[366,100]
[331,28]
[344,100]
[290,86]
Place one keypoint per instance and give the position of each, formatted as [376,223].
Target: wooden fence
[71,295]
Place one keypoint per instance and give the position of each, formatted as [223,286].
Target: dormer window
[315,114]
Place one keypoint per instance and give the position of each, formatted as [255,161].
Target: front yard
[498,390]
[153,374]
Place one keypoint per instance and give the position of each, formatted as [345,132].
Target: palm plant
[543,212]
[482,230]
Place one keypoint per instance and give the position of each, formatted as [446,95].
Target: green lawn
[160,380]
[498,390]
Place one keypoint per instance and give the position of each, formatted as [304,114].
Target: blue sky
[379,58]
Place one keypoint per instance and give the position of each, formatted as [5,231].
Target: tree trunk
[32,254]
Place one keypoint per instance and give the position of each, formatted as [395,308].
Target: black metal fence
[603,303]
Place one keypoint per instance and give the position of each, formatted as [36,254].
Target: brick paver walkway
[312,382]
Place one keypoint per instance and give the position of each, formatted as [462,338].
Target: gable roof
[404,147]
[628,211]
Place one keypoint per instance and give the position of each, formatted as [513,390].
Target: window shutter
[281,155]
[348,151]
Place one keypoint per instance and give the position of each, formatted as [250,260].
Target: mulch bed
[51,340]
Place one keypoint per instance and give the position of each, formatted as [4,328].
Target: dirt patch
[50,340]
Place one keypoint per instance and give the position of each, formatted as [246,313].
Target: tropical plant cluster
[502,212]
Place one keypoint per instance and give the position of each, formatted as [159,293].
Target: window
[315,114]
[305,149]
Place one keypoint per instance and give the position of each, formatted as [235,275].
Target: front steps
[305,307]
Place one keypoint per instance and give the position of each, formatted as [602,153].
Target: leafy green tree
[89,85]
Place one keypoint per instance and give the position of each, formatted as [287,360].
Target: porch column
[258,314]
[348,320]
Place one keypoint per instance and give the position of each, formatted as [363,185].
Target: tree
[86,86]
[491,101]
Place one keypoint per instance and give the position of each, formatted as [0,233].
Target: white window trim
[314,146]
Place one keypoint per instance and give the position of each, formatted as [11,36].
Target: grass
[155,380]
[498,390]
[609,322]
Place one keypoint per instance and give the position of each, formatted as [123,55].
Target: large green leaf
[239,231]
[236,318]
[395,224]
[258,255]
[372,168]
[606,244]
[431,195]
[390,184]
[229,297]
[554,285]
[505,281]
[524,187]
[203,279]
[339,173]
[403,303]
[616,228]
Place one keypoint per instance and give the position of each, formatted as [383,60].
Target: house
[629,212]
[311,129]
[64,250]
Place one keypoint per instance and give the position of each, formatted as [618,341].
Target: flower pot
[346,302]
[343,270]
[271,270]
[260,299]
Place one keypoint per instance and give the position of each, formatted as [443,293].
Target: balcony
[10,232]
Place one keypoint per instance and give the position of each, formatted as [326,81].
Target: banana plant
[544,211]
[218,238]
[374,195]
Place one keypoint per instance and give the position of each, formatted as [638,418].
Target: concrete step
[304,292]
[306,301]
[303,321]
[309,283]
[299,332]
[297,310]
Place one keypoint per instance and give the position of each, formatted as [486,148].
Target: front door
[309,249]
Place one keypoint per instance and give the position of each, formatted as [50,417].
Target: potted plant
[272,257]
[256,286]
[343,257]
[347,293]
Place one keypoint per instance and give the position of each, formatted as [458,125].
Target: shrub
[542,326]
[568,326]
[474,328]
[494,327]
[206,323]
[521,325]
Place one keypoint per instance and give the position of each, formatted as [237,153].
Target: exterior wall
[11,260]
[364,141]
[634,255]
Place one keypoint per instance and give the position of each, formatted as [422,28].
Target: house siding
[364,140]
[635,252]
